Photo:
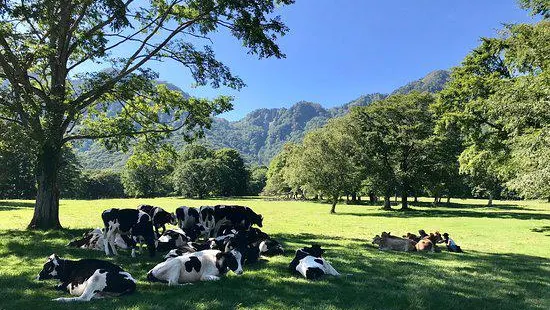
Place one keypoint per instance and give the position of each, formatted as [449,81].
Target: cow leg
[330,270]
[112,244]
[174,275]
[109,234]
[96,283]
[129,242]
[209,278]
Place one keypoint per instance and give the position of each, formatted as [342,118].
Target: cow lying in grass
[388,242]
[93,240]
[310,264]
[87,278]
[252,244]
[207,265]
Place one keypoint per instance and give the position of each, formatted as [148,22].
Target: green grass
[506,264]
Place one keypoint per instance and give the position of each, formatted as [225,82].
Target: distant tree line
[486,134]
[197,171]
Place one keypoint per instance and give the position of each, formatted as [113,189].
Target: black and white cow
[172,239]
[251,244]
[159,216]
[207,265]
[87,278]
[129,223]
[241,218]
[206,218]
[93,240]
[190,247]
[310,263]
[187,217]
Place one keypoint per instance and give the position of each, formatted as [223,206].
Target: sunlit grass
[506,264]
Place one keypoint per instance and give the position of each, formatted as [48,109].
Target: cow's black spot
[319,261]
[314,273]
[192,263]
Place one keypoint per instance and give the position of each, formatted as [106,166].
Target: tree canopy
[44,45]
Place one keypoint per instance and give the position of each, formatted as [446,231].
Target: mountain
[432,83]
[260,135]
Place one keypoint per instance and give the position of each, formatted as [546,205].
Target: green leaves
[500,98]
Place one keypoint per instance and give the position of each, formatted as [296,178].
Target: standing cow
[159,217]
[129,223]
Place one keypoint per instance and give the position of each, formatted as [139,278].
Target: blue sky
[338,50]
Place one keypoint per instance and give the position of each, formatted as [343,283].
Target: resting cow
[129,223]
[207,265]
[310,263]
[87,278]
[388,242]
[187,217]
[93,240]
[159,217]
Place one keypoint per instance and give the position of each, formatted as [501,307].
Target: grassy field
[506,264]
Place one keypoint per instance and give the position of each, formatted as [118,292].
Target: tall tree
[500,98]
[44,43]
[198,177]
[394,135]
[147,173]
[276,183]
[234,180]
[324,162]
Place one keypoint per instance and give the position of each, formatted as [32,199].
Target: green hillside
[260,135]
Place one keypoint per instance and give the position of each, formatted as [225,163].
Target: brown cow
[388,242]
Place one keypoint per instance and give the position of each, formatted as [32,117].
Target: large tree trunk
[490,203]
[416,199]
[404,201]
[334,201]
[372,198]
[387,202]
[448,199]
[46,209]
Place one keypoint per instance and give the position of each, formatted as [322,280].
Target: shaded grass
[506,264]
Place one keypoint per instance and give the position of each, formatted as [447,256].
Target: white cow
[207,265]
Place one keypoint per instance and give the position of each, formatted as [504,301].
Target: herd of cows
[208,242]
[228,241]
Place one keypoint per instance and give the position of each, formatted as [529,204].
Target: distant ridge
[260,135]
[432,83]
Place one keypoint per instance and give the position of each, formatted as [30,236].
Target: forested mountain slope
[261,133]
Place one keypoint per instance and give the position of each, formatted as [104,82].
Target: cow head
[230,261]
[194,232]
[271,247]
[51,269]
[377,240]
[260,220]
[173,219]
[174,253]
[315,250]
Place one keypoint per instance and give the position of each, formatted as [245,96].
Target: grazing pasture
[506,264]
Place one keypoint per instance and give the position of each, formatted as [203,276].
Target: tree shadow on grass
[453,213]
[388,280]
[14,205]
[454,205]
[544,230]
